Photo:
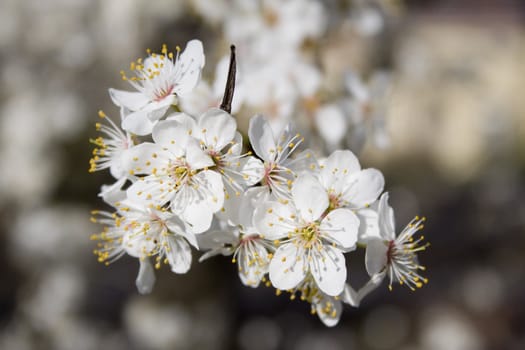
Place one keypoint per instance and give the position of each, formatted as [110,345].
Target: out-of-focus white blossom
[270,25]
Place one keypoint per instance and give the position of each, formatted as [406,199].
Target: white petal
[376,256]
[215,189]
[136,246]
[369,21]
[251,198]
[286,271]
[199,100]
[369,224]
[176,226]
[251,273]
[187,121]
[179,254]
[273,220]
[337,167]
[309,197]
[344,160]
[148,191]
[261,138]
[196,157]
[356,87]
[197,215]
[307,77]
[363,188]
[329,270]
[216,239]
[146,277]
[330,319]
[197,203]
[342,226]
[216,128]
[251,169]
[230,211]
[190,64]
[138,123]
[157,109]
[331,123]
[301,162]
[129,100]
[112,194]
[172,135]
[238,209]
[387,225]
[143,158]
[224,251]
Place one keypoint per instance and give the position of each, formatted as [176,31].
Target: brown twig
[226,104]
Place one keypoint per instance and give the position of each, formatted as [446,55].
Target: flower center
[309,234]
[162,93]
[181,174]
[367,109]
[311,104]
[268,168]
[270,16]
[390,252]
[334,201]
[217,159]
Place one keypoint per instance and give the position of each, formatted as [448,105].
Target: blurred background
[455,120]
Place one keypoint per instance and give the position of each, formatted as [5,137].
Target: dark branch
[226,104]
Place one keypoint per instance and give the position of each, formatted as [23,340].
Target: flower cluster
[287,218]
[284,72]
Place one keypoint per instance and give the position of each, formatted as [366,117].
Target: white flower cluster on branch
[287,219]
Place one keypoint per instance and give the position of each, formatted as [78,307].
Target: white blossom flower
[366,109]
[275,152]
[144,232]
[397,256]
[277,83]
[267,24]
[108,154]
[158,81]
[332,124]
[367,18]
[349,186]
[176,170]
[217,133]
[109,149]
[360,117]
[250,250]
[309,242]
